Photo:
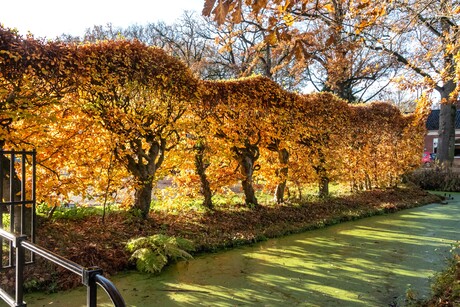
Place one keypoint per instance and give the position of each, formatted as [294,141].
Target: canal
[369,262]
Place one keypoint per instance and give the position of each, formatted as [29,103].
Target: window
[435,145]
[457,148]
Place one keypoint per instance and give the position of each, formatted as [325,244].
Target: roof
[432,123]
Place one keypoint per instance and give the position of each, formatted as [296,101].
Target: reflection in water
[370,262]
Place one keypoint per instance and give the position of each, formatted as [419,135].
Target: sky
[51,18]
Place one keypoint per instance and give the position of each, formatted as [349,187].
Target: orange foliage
[327,139]
[139,94]
[74,155]
[106,116]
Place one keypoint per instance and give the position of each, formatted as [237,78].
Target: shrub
[446,287]
[154,252]
[437,179]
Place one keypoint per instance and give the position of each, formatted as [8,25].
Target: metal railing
[91,277]
[18,199]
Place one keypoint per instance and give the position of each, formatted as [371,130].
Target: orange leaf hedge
[140,94]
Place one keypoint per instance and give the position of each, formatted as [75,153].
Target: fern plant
[154,252]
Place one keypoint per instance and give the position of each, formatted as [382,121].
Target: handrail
[59,260]
[17,162]
[90,276]
[6,297]
[7,235]
[111,290]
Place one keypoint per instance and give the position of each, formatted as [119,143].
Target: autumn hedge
[119,115]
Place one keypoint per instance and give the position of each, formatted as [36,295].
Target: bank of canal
[369,262]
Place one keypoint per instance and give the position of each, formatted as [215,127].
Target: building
[431,139]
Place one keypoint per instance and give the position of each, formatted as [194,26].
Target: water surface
[370,262]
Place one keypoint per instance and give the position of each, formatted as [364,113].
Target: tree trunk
[323,190]
[299,189]
[283,156]
[143,164]
[200,167]
[447,115]
[279,192]
[246,158]
[249,193]
[367,182]
[321,171]
[143,198]
[247,170]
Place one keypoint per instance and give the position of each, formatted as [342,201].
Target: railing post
[89,280]
[12,199]
[20,263]
[34,201]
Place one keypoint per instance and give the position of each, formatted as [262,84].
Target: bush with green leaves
[154,252]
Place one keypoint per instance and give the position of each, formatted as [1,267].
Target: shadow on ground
[370,262]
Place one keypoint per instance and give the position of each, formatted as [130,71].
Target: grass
[168,201]
[75,212]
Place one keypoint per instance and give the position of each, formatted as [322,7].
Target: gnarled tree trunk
[143,197]
[282,173]
[200,167]
[143,164]
[246,157]
[247,170]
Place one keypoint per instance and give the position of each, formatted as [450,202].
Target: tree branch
[401,59]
